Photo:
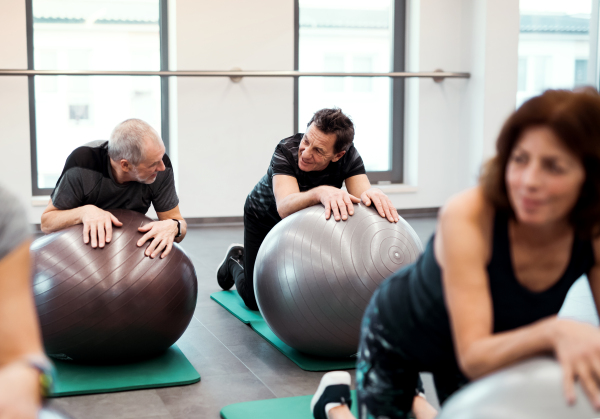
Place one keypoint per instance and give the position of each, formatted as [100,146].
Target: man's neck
[118,174]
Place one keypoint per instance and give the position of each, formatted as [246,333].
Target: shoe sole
[231,246]
[331,378]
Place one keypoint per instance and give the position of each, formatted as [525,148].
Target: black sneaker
[334,388]
[224,278]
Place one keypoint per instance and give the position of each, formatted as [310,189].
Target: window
[554,46]
[359,36]
[581,72]
[93,35]
[522,77]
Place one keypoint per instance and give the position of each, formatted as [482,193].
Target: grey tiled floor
[235,363]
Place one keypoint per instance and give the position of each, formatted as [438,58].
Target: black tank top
[411,302]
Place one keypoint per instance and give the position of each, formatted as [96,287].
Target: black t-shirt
[261,201]
[87,179]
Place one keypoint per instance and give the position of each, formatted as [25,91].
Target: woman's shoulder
[466,221]
[470,204]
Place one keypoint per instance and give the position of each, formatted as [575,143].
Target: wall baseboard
[419,212]
[198,222]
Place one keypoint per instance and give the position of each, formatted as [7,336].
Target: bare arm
[19,337]
[290,200]
[288,196]
[174,214]
[97,223]
[163,233]
[359,185]
[462,247]
[54,219]
[18,320]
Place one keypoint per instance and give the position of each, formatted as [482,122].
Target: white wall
[456,122]
[224,133]
[15,167]
[490,41]
[228,131]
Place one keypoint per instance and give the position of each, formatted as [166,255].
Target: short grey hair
[127,140]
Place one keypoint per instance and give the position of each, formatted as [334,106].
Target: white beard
[148,180]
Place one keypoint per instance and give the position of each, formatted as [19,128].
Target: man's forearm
[502,349]
[18,320]
[58,219]
[297,201]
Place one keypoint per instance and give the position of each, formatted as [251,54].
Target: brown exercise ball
[112,304]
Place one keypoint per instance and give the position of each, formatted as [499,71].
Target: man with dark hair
[305,170]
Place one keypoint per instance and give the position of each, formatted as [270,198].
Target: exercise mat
[170,369]
[286,407]
[232,302]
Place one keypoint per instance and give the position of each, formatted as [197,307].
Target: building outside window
[90,35]
[554,46]
[581,72]
[353,36]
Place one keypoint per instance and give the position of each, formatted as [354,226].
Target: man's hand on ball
[163,234]
[19,391]
[337,201]
[97,226]
[382,203]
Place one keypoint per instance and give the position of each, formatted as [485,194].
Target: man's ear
[125,165]
[338,156]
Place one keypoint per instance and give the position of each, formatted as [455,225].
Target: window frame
[164,85]
[396,174]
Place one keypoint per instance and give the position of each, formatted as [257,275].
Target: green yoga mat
[287,407]
[232,302]
[170,369]
[306,362]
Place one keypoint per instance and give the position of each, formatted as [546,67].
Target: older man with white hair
[130,171]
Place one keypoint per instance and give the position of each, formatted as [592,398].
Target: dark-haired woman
[487,289]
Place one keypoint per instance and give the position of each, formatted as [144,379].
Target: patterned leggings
[386,380]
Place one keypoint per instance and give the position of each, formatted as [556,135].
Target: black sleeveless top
[411,302]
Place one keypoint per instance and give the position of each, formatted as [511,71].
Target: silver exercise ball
[528,390]
[51,413]
[313,277]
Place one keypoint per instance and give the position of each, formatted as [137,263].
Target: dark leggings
[386,379]
[254,234]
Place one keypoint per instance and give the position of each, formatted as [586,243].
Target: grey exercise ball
[313,277]
[528,390]
[52,413]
